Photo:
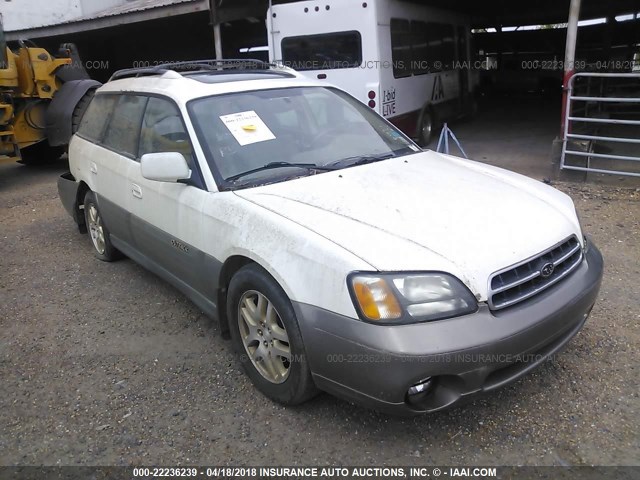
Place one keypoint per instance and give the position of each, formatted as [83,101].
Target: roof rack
[197,66]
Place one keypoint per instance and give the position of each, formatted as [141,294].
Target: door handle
[93,168]
[136,190]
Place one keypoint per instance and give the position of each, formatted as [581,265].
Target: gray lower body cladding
[376,365]
[68,192]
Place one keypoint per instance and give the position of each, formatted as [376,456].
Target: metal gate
[596,105]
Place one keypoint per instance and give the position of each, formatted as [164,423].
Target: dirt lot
[106,364]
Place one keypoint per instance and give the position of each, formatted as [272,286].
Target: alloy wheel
[264,336]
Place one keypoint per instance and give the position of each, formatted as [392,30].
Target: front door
[166,217]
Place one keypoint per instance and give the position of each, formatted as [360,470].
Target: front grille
[524,280]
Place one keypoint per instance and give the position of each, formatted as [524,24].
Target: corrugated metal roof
[130,12]
[129,7]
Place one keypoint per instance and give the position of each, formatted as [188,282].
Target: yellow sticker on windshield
[247,127]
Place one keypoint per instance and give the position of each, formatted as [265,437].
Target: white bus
[407,61]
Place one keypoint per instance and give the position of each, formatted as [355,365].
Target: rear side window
[123,131]
[323,52]
[96,117]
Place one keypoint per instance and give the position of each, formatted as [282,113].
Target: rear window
[323,52]
[124,128]
[95,118]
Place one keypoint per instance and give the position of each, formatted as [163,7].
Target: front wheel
[266,337]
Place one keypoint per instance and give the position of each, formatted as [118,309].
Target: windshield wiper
[272,165]
[359,160]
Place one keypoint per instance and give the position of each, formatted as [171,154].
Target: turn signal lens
[375,298]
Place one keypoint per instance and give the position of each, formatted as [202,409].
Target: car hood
[427,212]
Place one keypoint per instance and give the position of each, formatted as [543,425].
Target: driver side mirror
[165,167]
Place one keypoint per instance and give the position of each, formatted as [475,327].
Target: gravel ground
[105,364]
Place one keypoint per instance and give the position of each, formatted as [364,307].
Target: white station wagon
[336,253]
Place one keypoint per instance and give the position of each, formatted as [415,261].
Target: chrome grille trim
[523,280]
[562,259]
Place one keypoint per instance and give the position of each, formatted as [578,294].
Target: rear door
[114,162]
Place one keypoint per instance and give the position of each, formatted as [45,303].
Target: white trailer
[409,62]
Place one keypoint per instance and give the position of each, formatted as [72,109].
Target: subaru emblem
[547,270]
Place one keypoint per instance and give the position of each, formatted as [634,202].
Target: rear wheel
[267,338]
[102,247]
[426,128]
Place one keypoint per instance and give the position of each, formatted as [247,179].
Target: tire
[40,153]
[81,107]
[426,127]
[273,328]
[98,232]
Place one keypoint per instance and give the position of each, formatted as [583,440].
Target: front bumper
[375,365]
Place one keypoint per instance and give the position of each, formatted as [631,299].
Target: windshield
[266,136]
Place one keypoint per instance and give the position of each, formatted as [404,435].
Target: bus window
[401,55]
[443,35]
[434,41]
[448,46]
[420,47]
[322,52]
[441,46]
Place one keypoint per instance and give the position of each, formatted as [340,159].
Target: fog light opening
[420,390]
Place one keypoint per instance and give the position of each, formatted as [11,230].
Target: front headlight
[397,298]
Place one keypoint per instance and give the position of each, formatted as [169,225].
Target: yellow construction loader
[42,99]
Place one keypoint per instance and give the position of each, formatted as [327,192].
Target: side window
[123,131]
[448,46]
[95,118]
[441,45]
[434,45]
[420,45]
[324,51]
[401,47]
[163,130]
